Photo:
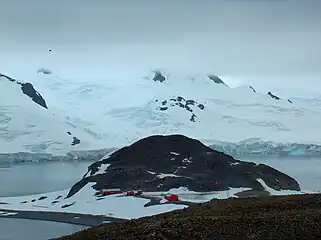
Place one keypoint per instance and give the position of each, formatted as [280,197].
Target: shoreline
[91,220]
[61,217]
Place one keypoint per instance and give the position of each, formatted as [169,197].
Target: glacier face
[241,150]
[255,147]
[23,157]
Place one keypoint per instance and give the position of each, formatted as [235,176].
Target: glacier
[248,148]
[124,107]
[257,148]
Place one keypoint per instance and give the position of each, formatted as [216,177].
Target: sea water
[307,171]
[35,178]
[22,179]
[14,229]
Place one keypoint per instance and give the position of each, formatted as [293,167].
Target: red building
[172,197]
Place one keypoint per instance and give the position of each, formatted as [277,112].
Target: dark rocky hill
[160,163]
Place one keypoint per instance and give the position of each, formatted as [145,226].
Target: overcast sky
[266,41]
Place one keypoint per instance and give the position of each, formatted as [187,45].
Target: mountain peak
[216,79]
[28,90]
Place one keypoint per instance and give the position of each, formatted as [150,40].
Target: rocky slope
[28,90]
[163,162]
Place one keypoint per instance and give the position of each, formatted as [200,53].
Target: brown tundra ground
[276,217]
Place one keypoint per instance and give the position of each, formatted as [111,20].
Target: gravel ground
[282,217]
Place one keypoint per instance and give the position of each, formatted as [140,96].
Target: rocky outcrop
[252,89]
[216,79]
[29,90]
[45,71]
[75,141]
[273,96]
[158,77]
[276,97]
[160,163]
[187,104]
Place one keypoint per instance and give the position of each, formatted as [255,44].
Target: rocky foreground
[282,217]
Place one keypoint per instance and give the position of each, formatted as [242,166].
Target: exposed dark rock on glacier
[159,163]
[253,89]
[273,96]
[29,90]
[45,71]
[276,97]
[187,104]
[75,141]
[158,77]
[216,79]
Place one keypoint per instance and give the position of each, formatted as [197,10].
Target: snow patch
[102,169]
[197,197]
[281,192]
[164,175]
[234,163]
[84,202]
[118,205]
[187,160]
[174,153]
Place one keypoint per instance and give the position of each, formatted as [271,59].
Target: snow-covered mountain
[27,124]
[123,108]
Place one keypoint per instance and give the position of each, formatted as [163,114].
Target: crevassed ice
[262,148]
[242,149]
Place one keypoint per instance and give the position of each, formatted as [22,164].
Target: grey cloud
[232,37]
